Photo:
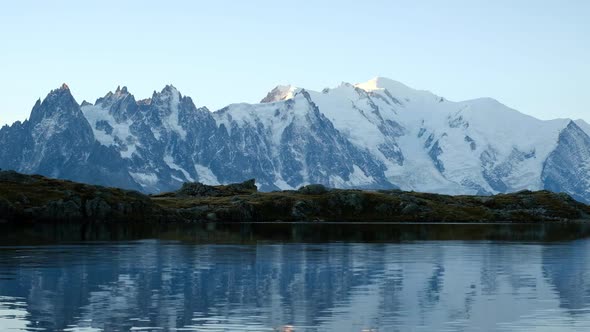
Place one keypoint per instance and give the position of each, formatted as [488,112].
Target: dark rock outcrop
[197,189]
[313,189]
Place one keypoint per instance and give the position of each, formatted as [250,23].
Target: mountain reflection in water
[421,286]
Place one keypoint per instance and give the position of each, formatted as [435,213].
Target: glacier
[371,135]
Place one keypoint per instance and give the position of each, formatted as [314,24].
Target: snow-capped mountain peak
[376,134]
[280,93]
[378,83]
[401,91]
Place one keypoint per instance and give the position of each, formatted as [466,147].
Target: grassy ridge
[33,198]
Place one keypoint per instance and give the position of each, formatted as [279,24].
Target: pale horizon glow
[530,55]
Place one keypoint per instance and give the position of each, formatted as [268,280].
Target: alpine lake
[295,277]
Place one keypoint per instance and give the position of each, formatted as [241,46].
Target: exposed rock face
[58,141]
[567,168]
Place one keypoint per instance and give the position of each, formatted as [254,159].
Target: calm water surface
[409,286]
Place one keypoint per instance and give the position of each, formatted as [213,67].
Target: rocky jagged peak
[168,94]
[572,132]
[85,103]
[170,89]
[146,101]
[110,99]
[570,129]
[63,90]
[583,125]
[572,125]
[119,92]
[58,99]
[57,113]
[122,90]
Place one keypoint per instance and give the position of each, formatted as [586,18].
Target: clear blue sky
[531,55]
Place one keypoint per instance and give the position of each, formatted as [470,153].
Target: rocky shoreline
[34,198]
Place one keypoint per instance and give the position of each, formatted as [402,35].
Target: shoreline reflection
[448,285]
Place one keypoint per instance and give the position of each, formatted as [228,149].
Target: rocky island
[35,198]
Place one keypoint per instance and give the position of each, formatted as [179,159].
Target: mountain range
[372,135]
